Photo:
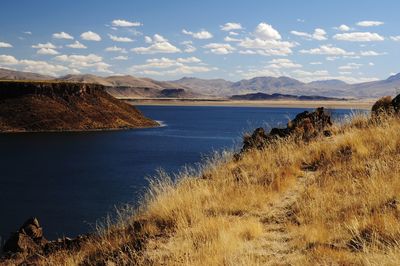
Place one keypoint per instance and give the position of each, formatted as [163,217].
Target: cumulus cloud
[41,67]
[90,36]
[8,60]
[283,63]
[189,48]
[120,57]
[318,34]
[395,38]
[370,53]
[219,48]
[266,41]
[5,45]
[369,23]
[326,50]
[85,61]
[62,35]
[230,39]
[47,45]
[115,49]
[125,23]
[76,45]
[265,31]
[167,66]
[119,39]
[359,37]
[47,51]
[343,27]
[158,44]
[231,26]
[203,34]
[350,66]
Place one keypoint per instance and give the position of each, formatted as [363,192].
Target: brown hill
[54,106]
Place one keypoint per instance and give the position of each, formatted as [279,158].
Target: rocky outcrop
[306,126]
[63,106]
[384,105]
[29,240]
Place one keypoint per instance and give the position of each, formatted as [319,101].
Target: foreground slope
[60,106]
[331,200]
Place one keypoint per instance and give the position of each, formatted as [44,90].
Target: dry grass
[333,201]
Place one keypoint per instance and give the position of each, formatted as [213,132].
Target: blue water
[69,180]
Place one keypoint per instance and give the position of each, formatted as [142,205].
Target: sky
[355,41]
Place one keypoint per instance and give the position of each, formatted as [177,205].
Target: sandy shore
[350,104]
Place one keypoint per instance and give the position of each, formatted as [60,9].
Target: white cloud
[5,45]
[395,38]
[90,36]
[192,59]
[308,76]
[119,39]
[232,33]
[359,37]
[115,49]
[231,26]
[159,44]
[326,50]
[47,51]
[266,42]
[125,23]
[265,31]
[120,57]
[8,60]
[77,45]
[62,35]
[85,61]
[344,27]
[350,66]
[369,23]
[370,53]
[202,35]
[219,48]
[47,45]
[189,48]
[167,66]
[316,63]
[319,34]
[371,64]
[41,67]
[230,39]
[283,63]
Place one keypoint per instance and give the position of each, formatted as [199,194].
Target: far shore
[332,104]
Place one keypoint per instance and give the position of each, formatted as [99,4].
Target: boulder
[385,105]
[305,126]
[28,238]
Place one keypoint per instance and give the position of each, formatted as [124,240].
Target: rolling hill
[189,87]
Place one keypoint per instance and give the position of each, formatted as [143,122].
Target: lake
[69,180]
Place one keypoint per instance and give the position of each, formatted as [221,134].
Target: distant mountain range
[188,87]
[278,96]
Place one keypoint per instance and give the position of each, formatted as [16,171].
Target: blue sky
[354,41]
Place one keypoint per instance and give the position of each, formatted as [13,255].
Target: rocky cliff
[63,106]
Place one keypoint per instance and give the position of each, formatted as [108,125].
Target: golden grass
[267,208]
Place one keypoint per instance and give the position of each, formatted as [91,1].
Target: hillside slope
[332,201]
[60,106]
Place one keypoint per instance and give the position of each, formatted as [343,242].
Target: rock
[385,105]
[28,238]
[255,140]
[396,103]
[305,125]
[20,242]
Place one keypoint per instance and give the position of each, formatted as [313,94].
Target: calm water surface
[69,180]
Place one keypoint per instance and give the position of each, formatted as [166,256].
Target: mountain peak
[394,77]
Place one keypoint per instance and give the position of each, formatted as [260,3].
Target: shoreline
[332,104]
[78,130]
